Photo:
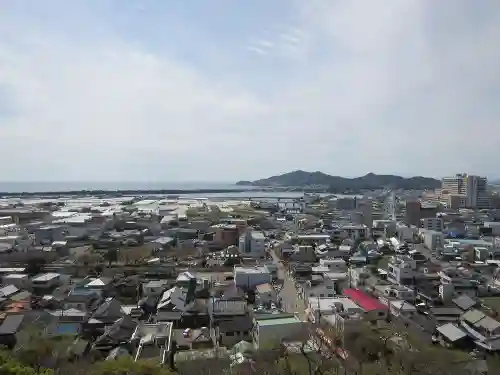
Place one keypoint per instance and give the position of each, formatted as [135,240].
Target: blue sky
[224,90]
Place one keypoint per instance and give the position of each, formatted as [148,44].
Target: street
[291,301]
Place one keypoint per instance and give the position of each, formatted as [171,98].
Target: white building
[432,223]
[46,281]
[249,277]
[432,239]
[401,270]
[321,307]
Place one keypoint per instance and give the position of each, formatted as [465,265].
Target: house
[154,287]
[46,281]
[117,333]
[81,299]
[20,280]
[373,308]
[324,287]
[464,302]
[272,329]
[265,294]
[335,265]
[342,306]
[68,316]
[482,328]
[230,330]
[402,308]
[109,311]
[9,329]
[445,314]
[8,291]
[451,335]
[99,284]
[399,292]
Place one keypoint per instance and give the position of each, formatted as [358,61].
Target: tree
[111,256]
[127,366]
[10,366]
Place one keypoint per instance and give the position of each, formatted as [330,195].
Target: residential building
[318,308]
[230,330]
[372,307]
[432,223]
[401,270]
[334,265]
[154,288]
[20,280]
[273,329]
[324,289]
[46,281]
[356,232]
[265,294]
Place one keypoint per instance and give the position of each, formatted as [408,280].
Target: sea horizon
[62,186]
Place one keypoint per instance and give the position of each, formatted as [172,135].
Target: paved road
[291,301]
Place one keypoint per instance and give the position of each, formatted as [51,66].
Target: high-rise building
[473,188]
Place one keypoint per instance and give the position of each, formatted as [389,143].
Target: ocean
[30,187]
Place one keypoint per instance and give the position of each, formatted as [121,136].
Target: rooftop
[365,301]
[278,321]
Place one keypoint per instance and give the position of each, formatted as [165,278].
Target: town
[183,279]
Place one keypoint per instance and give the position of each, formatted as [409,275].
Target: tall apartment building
[472,188]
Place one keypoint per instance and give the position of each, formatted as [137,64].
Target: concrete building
[274,328]
[472,188]
[432,223]
[249,277]
[226,234]
[401,270]
[433,240]
[252,244]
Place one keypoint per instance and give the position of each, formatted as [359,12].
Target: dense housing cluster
[181,279]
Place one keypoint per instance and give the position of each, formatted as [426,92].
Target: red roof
[363,300]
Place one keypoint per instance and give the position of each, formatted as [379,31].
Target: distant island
[336,184]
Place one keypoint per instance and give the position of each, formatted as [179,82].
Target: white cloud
[391,87]
[257,50]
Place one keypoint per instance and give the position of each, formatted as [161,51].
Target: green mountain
[370,181]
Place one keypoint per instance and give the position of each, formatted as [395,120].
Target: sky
[224,90]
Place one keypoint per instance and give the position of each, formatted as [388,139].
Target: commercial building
[249,277]
[252,244]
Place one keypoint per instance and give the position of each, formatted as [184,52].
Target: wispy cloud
[334,76]
[257,50]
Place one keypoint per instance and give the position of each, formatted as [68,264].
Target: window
[229,333]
